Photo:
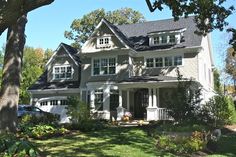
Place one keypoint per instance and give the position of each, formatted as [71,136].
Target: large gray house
[127,68]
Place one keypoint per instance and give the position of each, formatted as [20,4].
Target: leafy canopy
[82,28]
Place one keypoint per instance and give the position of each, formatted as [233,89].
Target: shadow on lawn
[115,142]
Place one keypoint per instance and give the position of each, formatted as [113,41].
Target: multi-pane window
[53,102]
[172,39]
[104,41]
[177,60]
[98,100]
[149,62]
[63,102]
[43,103]
[62,72]
[156,40]
[104,66]
[164,39]
[159,62]
[114,100]
[168,61]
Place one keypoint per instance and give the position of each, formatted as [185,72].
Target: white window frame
[60,69]
[163,61]
[108,66]
[103,44]
[160,36]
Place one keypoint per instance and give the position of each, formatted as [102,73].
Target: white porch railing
[162,114]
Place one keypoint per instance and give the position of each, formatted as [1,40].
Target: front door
[140,103]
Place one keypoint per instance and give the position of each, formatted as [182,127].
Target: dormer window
[62,72]
[104,42]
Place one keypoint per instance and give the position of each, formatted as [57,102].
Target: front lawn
[115,142]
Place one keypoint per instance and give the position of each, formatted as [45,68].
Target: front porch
[143,103]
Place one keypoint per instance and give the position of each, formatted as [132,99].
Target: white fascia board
[56,51]
[95,30]
[52,91]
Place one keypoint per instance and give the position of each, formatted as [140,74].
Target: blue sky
[46,25]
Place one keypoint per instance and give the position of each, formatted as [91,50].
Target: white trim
[60,66]
[55,52]
[53,91]
[104,45]
[163,61]
[100,58]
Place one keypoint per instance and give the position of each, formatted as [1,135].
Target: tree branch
[11,10]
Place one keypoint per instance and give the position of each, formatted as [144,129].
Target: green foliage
[209,15]
[230,63]
[13,146]
[80,116]
[34,60]
[82,28]
[185,100]
[181,144]
[219,110]
[77,110]
[217,84]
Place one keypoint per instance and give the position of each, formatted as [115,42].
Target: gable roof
[69,50]
[137,35]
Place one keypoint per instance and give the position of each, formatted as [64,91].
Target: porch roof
[149,79]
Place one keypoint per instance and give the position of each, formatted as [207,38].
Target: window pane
[172,38]
[156,40]
[101,41]
[168,61]
[96,71]
[68,69]
[104,66]
[178,60]
[99,100]
[63,69]
[159,62]
[96,66]
[57,70]
[163,39]
[112,61]
[106,40]
[149,62]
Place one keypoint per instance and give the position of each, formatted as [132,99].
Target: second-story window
[149,62]
[104,66]
[177,60]
[168,61]
[159,62]
[62,72]
[103,42]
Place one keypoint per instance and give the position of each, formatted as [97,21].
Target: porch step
[132,123]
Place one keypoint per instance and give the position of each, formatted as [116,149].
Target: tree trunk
[9,95]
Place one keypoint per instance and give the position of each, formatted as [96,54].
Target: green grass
[118,142]
[115,142]
[226,146]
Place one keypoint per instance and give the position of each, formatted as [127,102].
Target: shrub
[182,144]
[43,131]
[219,111]
[10,145]
[77,110]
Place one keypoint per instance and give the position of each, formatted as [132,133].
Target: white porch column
[120,98]
[152,107]
[92,99]
[158,97]
[120,109]
[128,103]
[154,97]
[149,97]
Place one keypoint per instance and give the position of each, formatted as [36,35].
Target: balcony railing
[162,114]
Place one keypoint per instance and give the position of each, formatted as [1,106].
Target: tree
[217,84]
[210,14]
[183,106]
[230,66]
[13,15]
[34,61]
[11,10]
[82,28]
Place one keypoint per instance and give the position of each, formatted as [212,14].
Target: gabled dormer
[166,37]
[106,36]
[63,65]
